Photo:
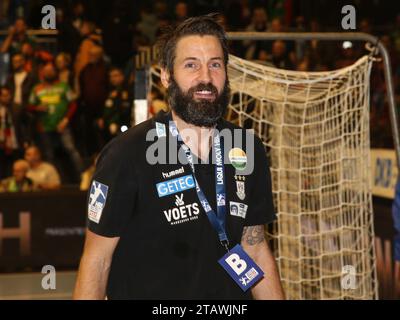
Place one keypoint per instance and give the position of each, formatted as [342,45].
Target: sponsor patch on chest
[176,185]
[238,209]
[182,212]
[173,173]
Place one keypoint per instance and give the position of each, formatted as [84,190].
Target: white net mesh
[315,126]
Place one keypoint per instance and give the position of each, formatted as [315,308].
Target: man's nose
[205,75]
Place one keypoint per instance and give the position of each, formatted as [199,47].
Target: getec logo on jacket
[241,268]
[173,186]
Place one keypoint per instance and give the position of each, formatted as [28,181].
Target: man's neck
[198,139]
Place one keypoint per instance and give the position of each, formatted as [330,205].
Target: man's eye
[190,65]
[216,65]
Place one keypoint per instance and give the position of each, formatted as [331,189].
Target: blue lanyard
[216,220]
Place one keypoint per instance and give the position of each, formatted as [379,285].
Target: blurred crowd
[59,106]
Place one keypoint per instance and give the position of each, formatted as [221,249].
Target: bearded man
[53,103]
[187,223]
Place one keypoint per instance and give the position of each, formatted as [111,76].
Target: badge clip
[225,244]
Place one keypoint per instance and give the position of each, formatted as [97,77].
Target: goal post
[315,127]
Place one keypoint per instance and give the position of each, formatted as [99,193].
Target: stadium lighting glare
[347,45]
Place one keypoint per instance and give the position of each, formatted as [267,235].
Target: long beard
[201,113]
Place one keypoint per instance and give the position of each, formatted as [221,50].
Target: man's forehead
[193,46]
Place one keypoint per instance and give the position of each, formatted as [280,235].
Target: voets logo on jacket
[182,212]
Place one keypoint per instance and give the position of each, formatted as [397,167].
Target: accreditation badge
[242,269]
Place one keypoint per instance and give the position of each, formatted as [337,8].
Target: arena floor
[27,286]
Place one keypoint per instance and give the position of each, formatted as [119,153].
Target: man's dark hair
[201,26]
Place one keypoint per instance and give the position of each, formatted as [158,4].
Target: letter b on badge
[238,265]
[243,270]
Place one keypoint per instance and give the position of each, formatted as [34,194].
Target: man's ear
[165,77]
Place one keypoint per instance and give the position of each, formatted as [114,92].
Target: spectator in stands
[17,36]
[78,14]
[69,26]
[117,109]
[35,59]
[279,56]
[147,26]
[21,83]
[8,139]
[30,64]
[303,65]
[276,8]
[245,12]
[163,23]
[300,25]
[365,26]
[43,174]
[93,82]
[90,39]
[259,24]
[181,12]
[276,25]
[314,46]
[259,21]
[320,53]
[18,182]
[4,14]
[118,34]
[300,45]
[160,8]
[53,103]
[238,13]
[63,64]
